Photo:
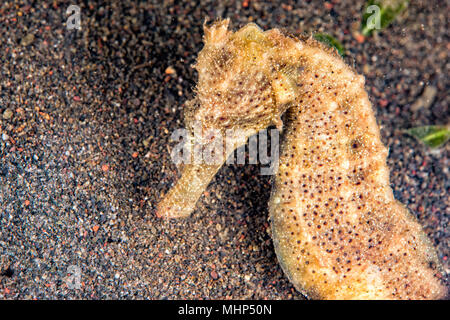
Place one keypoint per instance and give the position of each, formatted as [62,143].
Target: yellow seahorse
[338,231]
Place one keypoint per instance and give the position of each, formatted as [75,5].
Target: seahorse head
[246,79]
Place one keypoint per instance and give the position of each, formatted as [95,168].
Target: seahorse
[337,230]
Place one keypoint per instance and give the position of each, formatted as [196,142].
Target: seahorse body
[338,231]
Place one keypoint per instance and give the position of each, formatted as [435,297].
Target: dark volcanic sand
[85,121]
